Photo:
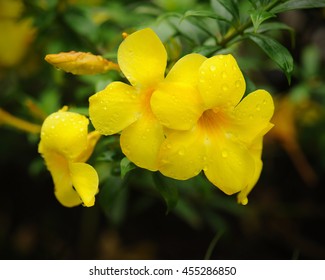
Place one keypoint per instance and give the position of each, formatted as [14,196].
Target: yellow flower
[16,34]
[209,127]
[65,146]
[126,108]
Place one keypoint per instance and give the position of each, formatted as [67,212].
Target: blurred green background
[286,210]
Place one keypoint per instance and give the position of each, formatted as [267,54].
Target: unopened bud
[81,63]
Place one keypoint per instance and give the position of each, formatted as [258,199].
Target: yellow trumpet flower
[65,146]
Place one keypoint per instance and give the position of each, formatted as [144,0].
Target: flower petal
[140,142]
[230,165]
[182,154]
[252,116]
[114,108]
[59,169]
[256,150]
[142,58]
[85,181]
[221,82]
[65,133]
[92,138]
[186,70]
[176,105]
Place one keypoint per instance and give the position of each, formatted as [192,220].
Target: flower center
[145,101]
[212,122]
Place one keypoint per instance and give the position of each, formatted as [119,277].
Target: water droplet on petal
[225,88]
[224,153]
[224,75]
[213,68]
[258,107]
[237,83]
[181,152]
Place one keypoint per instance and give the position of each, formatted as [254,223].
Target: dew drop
[224,75]
[225,88]
[264,101]
[213,68]
[237,83]
[224,154]
[181,152]
[258,107]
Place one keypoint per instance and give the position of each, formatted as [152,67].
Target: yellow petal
[85,181]
[186,70]
[256,151]
[230,165]
[177,105]
[182,154]
[252,116]
[221,82]
[142,58]
[65,133]
[92,138]
[59,169]
[140,142]
[114,108]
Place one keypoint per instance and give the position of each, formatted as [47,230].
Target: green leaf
[232,7]
[113,199]
[167,188]
[204,14]
[264,27]
[269,26]
[298,4]
[277,52]
[126,166]
[259,16]
[207,50]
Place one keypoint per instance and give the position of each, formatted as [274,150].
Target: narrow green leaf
[207,50]
[126,166]
[268,26]
[277,52]
[167,188]
[258,17]
[205,14]
[253,3]
[232,7]
[298,4]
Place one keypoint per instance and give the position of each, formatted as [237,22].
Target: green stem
[241,29]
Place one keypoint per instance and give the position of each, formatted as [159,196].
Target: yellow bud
[81,63]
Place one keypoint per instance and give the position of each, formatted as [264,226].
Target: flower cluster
[194,119]
[65,146]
